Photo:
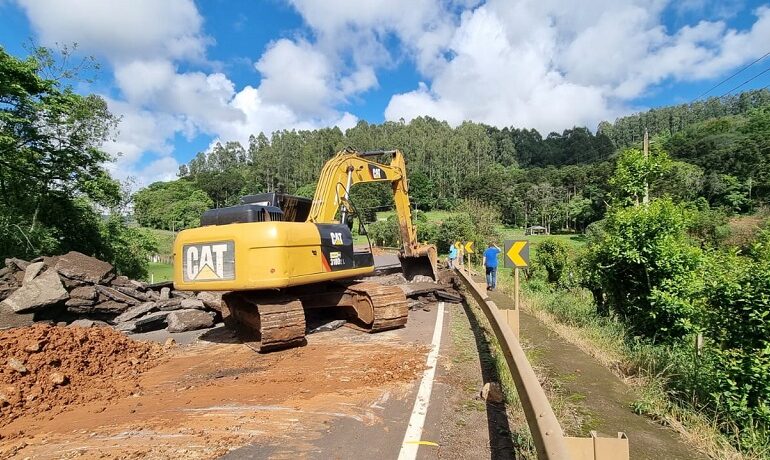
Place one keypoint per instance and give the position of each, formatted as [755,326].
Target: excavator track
[267,323]
[380,307]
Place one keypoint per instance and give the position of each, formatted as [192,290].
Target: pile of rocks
[84,291]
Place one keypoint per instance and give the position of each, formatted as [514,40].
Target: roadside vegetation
[55,193]
[665,297]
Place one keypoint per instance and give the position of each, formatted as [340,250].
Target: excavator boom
[348,168]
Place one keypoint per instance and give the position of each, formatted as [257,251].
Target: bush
[384,233]
[552,255]
[645,266]
[737,326]
[457,227]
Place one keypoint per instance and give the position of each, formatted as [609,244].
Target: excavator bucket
[424,262]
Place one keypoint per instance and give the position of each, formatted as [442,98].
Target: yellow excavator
[278,255]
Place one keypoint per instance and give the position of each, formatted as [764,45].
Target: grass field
[159,272]
[165,240]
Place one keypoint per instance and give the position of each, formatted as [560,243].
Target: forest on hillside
[719,147]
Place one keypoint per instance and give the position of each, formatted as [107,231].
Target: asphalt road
[380,436]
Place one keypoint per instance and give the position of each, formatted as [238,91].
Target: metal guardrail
[549,439]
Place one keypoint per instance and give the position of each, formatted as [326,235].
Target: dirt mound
[47,368]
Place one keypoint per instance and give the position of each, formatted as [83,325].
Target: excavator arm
[348,168]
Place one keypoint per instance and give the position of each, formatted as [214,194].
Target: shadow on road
[500,443]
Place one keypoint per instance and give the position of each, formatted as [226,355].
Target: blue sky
[185,73]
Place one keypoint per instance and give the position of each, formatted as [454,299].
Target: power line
[750,79]
[730,77]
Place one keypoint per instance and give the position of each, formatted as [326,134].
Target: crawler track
[388,304]
[268,323]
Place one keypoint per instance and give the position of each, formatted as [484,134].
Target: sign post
[469,250]
[516,256]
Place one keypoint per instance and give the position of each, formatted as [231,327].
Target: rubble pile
[423,290]
[46,368]
[84,291]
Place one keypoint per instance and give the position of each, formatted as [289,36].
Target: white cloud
[120,28]
[144,41]
[298,76]
[552,65]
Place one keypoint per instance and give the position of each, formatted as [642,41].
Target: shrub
[645,266]
[552,255]
[384,232]
[737,325]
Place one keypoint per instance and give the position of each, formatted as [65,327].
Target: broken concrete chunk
[120,280]
[84,292]
[138,285]
[192,304]
[72,284]
[131,292]
[75,302]
[41,292]
[5,292]
[116,295]
[16,264]
[77,266]
[212,300]
[9,318]
[330,326]
[32,271]
[165,293]
[169,305]
[127,326]
[492,393]
[151,322]
[135,312]
[189,320]
[109,307]
[86,323]
[182,294]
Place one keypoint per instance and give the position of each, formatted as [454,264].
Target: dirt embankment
[48,369]
[202,400]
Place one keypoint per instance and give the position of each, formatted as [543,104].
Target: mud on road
[206,399]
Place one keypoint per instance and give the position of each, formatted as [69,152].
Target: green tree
[646,266]
[552,255]
[171,205]
[634,172]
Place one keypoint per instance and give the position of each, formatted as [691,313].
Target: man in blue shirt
[490,263]
[452,255]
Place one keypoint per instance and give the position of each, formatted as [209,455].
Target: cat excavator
[278,255]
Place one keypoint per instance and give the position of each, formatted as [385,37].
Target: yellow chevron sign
[516,253]
[469,248]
